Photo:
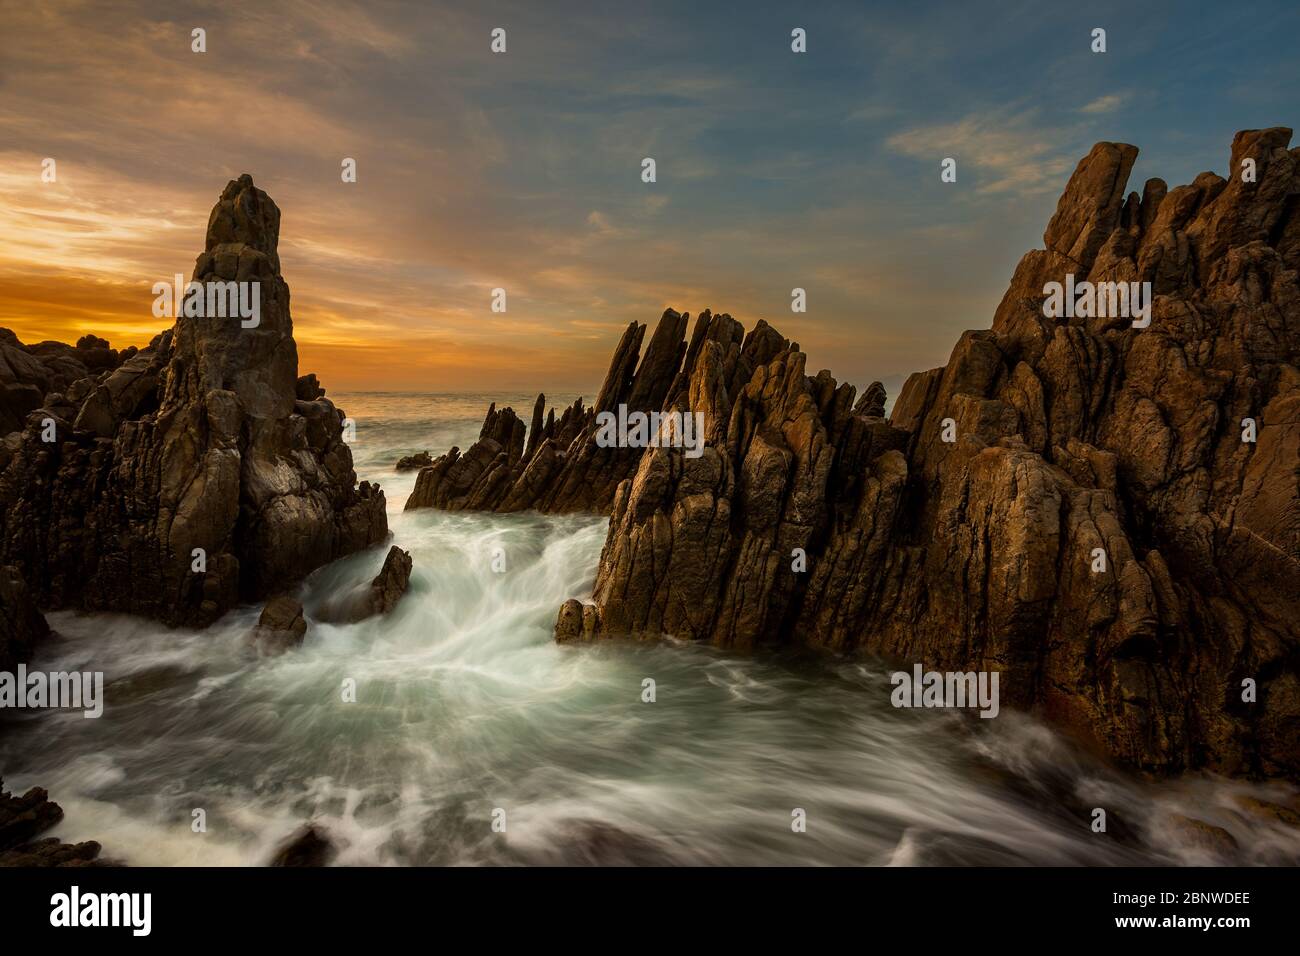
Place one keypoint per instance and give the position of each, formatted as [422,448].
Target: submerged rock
[378,597]
[1203,836]
[196,474]
[310,845]
[411,462]
[280,627]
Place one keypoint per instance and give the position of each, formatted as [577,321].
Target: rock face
[22,625]
[1068,501]
[207,439]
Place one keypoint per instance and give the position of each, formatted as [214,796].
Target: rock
[379,597]
[22,818]
[392,580]
[413,462]
[872,402]
[22,625]
[280,627]
[308,388]
[310,845]
[28,374]
[812,520]
[1272,812]
[1204,836]
[194,475]
[53,852]
[562,469]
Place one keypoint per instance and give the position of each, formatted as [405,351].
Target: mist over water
[465,704]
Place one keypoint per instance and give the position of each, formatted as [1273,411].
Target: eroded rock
[964,532]
[196,474]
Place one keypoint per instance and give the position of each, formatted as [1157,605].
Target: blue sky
[522,170]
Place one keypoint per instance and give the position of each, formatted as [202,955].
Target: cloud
[1012,156]
[1104,104]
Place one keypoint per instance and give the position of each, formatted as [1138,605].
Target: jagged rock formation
[207,439]
[562,469]
[1072,437]
[378,597]
[28,373]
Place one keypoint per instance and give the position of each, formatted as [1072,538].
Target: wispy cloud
[1011,154]
[1104,104]
[775,169]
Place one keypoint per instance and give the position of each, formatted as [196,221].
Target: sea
[472,738]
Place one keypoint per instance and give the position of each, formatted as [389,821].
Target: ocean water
[467,713]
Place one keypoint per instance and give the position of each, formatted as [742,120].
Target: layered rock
[22,625]
[1068,501]
[561,467]
[195,474]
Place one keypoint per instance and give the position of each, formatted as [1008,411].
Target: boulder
[414,462]
[280,627]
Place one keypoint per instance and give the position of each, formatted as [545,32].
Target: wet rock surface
[378,597]
[280,627]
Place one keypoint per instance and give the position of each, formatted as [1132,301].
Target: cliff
[964,532]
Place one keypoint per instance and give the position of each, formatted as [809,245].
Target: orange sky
[522,170]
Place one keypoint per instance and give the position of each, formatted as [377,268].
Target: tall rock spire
[198,473]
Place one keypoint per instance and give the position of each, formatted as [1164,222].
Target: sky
[522,170]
